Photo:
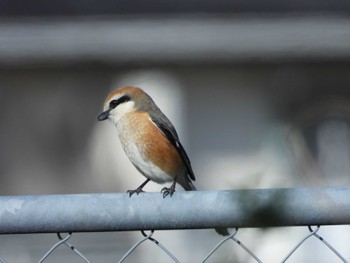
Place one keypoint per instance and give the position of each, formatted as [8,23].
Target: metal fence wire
[116,212]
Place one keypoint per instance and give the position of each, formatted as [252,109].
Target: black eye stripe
[115,103]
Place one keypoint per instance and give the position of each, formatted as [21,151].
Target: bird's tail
[190,186]
[222,231]
[186,184]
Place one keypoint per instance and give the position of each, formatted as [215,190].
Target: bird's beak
[103,116]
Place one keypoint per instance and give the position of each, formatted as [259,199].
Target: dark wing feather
[169,131]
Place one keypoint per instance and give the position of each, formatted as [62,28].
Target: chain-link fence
[185,210]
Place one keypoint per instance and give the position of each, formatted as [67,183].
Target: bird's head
[125,100]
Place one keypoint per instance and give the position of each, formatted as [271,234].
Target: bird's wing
[165,126]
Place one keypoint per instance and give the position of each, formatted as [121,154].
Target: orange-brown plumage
[151,142]
[159,150]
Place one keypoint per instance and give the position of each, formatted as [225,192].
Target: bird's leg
[169,190]
[138,189]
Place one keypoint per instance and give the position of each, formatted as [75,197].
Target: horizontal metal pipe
[184,210]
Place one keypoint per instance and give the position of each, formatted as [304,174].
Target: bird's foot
[136,191]
[168,191]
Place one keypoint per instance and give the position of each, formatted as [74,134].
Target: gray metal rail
[185,210]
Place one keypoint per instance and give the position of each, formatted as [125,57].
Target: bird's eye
[113,104]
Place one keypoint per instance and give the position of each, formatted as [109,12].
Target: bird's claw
[167,191]
[136,191]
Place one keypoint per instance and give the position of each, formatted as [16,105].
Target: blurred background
[259,93]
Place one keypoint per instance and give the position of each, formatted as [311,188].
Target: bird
[149,140]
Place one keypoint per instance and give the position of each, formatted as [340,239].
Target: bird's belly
[146,167]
